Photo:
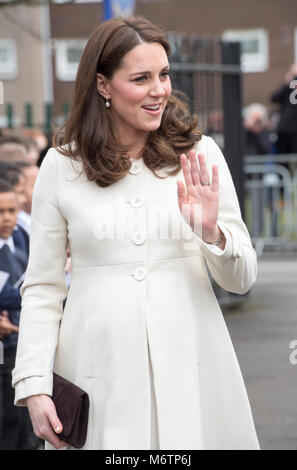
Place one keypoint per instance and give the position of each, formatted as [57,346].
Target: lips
[152,107]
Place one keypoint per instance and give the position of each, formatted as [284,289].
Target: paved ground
[262,331]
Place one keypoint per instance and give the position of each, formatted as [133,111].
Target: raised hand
[199,201]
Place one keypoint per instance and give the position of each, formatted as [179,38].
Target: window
[68,53]
[8,59]
[254,48]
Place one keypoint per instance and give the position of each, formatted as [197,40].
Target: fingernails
[58,429]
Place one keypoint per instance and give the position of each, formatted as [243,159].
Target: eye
[165,74]
[140,79]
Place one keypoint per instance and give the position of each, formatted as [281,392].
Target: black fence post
[29,115]
[232,110]
[66,109]
[48,117]
[9,113]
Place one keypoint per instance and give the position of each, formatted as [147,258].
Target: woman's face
[139,90]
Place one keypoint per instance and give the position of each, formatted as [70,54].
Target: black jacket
[15,264]
[288,111]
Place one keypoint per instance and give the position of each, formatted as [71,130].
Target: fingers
[6,331]
[181,193]
[195,175]
[194,167]
[186,170]
[56,426]
[45,432]
[204,176]
[7,327]
[44,419]
[215,179]
[53,418]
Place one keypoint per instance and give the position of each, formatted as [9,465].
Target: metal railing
[12,120]
[271,201]
[208,70]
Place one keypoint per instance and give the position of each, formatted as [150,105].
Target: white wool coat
[136,281]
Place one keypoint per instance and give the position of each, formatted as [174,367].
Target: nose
[157,88]
[7,216]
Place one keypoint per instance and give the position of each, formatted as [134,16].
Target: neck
[5,237]
[135,141]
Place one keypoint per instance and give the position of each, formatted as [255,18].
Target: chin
[153,126]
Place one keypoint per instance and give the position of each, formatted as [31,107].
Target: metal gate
[208,71]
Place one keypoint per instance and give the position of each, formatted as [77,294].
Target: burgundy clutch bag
[72,405]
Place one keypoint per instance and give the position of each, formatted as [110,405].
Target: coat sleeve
[43,289]
[235,267]
[10,297]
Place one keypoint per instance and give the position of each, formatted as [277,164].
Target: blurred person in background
[15,428]
[49,139]
[12,173]
[256,130]
[38,136]
[13,152]
[33,150]
[259,139]
[29,143]
[287,125]
[22,176]
[30,173]
[12,138]
[215,127]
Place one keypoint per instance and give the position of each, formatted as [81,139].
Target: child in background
[15,428]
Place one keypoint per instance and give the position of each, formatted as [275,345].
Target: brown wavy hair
[89,133]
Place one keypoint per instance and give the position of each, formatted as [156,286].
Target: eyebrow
[148,71]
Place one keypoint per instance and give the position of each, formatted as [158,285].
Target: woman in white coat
[144,201]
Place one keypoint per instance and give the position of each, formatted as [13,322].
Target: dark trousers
[15,424]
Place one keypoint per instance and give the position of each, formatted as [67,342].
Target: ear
[103,86]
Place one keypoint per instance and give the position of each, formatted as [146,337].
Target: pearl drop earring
[107,103]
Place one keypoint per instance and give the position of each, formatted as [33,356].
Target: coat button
[135,168]
[138,237]
[136,201]
[139,274]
